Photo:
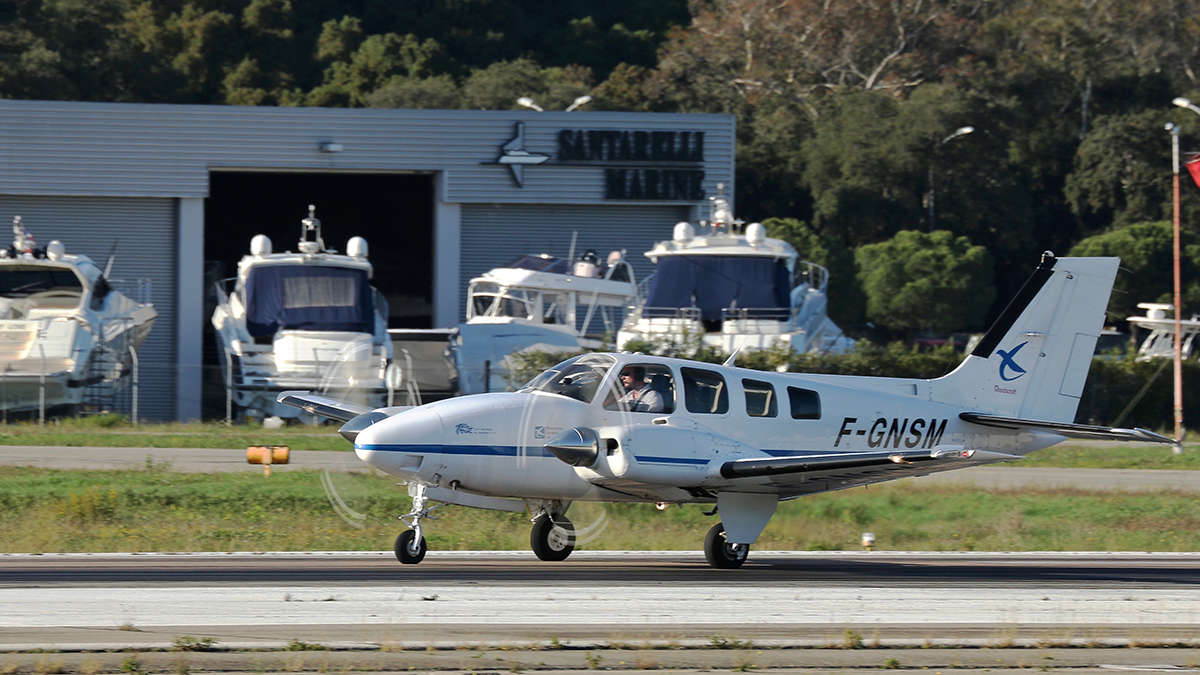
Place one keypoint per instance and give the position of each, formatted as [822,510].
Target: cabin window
[642,387]
[760,398]
[704,391]
[806,403]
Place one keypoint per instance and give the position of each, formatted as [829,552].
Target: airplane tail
[1033,361]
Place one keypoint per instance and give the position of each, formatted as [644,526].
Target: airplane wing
[775,466]
[321,405]
[1068,430]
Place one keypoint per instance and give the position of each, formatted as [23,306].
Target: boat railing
[756,314]
[808,272]
[138,290]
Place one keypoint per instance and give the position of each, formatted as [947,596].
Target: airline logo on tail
[1008,364]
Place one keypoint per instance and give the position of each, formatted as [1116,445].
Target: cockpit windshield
[577,377]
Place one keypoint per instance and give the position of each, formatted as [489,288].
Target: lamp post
[578,102]
[961,131]
[527,102]
[1178,344]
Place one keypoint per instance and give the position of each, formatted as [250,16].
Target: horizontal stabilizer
[321,405]
[1067,429]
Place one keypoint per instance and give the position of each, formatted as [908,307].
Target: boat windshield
[540,263]
[577,377]
[716,282]
[308,297]
[42,287]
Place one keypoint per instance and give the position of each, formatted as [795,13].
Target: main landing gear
[721,553]
[552,537]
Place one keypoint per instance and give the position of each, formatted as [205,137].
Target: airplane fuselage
[494,444]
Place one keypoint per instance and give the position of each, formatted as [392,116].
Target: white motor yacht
[733,288]
[1159,320]
[305,320]
[65,331]
[537,302]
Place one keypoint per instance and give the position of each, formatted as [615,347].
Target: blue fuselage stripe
[539,451]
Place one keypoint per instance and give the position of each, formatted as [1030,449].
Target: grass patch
[1081,456]
[105,431]
[44,510]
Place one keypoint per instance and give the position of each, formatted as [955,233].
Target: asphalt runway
[487,597]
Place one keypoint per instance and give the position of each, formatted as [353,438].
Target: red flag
[1193,167]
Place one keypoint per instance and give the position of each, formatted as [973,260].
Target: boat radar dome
[756,234]
[55,250]
[684,232]
[260,246]
[356,247]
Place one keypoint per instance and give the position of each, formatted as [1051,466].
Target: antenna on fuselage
[732,357]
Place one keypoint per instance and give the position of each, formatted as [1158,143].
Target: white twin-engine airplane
[740,439]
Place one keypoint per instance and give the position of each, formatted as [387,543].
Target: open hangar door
[393,212]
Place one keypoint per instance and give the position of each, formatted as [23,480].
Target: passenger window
[704,391]
[760,398]
[642,387]
[806,404]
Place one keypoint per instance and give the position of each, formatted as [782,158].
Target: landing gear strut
[410,545]
[722,553]
[553,536]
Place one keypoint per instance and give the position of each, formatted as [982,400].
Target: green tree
[1122,173]
[498,86]
[1145,250]
[930,282]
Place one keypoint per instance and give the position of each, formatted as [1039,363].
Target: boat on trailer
[309,320]
[67,335]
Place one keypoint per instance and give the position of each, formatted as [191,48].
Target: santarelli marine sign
[640,164]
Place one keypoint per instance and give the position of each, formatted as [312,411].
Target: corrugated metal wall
[145,233]
[493,234]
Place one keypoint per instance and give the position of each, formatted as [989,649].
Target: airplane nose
[413,431]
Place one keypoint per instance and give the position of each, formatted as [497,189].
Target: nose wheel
[410,545]
[552,537]
[722,553]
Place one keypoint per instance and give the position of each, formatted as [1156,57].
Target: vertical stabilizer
[1032,363]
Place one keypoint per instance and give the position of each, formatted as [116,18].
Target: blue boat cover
[712,283]
[307,297]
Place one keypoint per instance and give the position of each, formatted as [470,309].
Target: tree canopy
[846,108]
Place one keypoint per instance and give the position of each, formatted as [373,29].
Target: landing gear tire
[409,549]
[552,539]
[721,553]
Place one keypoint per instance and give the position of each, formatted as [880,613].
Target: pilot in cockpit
[638,396]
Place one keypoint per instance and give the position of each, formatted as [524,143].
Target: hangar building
[440,195]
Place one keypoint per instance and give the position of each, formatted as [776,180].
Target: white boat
[1159,320]
[537,302]
[733,288]
[67,336]
[305,320]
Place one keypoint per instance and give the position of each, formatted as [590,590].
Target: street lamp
[578,102]
[1175,208]
[929,198]
[527,102]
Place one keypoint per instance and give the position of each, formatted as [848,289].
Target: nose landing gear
[410,545]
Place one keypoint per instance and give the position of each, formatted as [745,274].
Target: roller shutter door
[494,234]
[144,231]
